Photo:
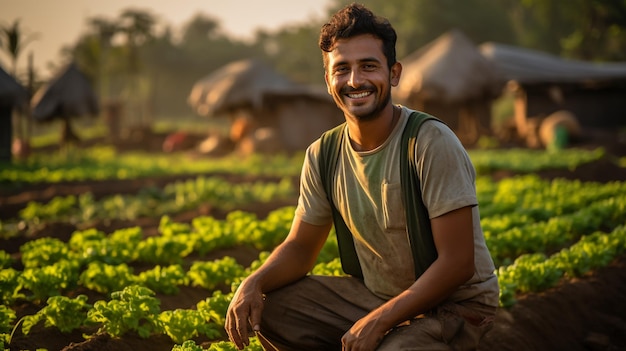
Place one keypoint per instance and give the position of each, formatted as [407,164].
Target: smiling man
[400,190]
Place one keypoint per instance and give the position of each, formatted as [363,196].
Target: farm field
[556,225]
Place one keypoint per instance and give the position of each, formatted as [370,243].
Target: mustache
[348,90]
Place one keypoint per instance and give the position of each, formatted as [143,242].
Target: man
[452,303]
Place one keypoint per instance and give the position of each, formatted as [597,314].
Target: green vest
[418,221]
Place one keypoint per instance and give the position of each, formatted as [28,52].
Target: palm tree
[13,43]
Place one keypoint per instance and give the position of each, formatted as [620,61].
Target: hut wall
[449,113]
[469,120]
[597,107]
[302,120]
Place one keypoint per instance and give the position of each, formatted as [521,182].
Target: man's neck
[368,135]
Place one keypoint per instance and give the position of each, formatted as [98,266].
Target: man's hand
[290,261]
[365,335]
[244,310]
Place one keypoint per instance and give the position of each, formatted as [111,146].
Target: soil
[588,313]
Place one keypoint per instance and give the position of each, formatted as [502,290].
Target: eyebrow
[362,60]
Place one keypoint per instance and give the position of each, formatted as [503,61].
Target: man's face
[358,78]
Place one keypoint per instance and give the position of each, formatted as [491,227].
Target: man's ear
[396,72]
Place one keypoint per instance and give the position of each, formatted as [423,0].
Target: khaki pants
[314,313]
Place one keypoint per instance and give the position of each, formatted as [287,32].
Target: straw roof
[530,66]
[11,92]
[449,69]
[238,84]
[69,94]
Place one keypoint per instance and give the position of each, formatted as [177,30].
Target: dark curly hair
[356,19]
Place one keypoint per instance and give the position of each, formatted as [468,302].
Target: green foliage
[132,309]
[149,202]
[538,231]
[5,259]
[7,316]
[42,252]
[188,345]
[164,280]
[420,21]
[93,245]
[105,278]
[212,274]
[62,312]
[546,236]
[181,325]
[164,249]
[10,285]
[536,272]
[264,234]
[5,339]
[214,307]
[51,280]
[528,160]
[591,252]
[254,345]
[210,234]
[103,162]
[332,268]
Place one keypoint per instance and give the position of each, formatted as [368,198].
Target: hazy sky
[59,22]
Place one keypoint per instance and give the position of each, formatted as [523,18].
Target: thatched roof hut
[238,84]
[263,104]
[69,94]
[450,79]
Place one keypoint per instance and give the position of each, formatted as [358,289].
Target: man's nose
[356,78]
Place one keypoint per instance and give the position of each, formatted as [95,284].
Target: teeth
[359,95]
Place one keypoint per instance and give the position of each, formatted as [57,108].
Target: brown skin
[356,67]
[359,80]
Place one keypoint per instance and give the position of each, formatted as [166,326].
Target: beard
[369,114]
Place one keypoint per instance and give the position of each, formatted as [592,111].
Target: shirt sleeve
[313,206]
[446,172]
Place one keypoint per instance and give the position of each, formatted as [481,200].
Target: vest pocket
[393,211]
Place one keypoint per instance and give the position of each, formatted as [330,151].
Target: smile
[359,95]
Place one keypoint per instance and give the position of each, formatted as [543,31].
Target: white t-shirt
[368,194]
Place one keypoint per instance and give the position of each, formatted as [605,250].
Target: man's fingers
[237,332]
[255,318]
[242,329]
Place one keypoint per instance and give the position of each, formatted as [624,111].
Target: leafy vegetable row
[556,232]
[103,162]
[151,202]
[535,272]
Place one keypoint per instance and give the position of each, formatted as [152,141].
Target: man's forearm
[433,287]
[287,263]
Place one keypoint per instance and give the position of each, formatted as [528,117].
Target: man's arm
[290,261]
[454,240]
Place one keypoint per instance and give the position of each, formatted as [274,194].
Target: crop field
[102,250]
